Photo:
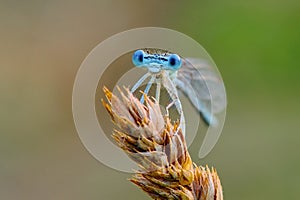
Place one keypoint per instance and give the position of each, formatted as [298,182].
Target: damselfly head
[155,62]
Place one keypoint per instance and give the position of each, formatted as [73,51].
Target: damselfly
[200,82]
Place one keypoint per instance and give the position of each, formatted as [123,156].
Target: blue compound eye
[174,62]
[138,58]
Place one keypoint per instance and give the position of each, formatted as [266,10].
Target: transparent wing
[203,85]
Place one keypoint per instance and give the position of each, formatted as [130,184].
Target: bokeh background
[256,45]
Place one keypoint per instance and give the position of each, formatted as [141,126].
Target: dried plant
[159,148]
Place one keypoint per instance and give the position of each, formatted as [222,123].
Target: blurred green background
[255,44]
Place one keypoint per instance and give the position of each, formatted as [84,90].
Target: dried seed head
[159,148]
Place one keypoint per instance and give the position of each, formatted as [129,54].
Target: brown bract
[158,147]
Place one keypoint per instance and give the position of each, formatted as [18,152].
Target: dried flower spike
[159,148]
